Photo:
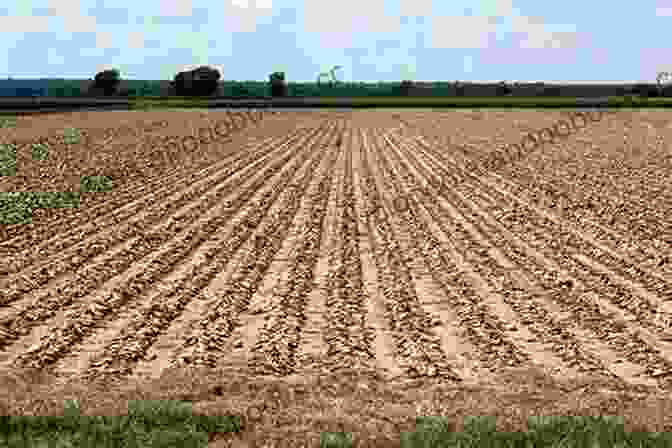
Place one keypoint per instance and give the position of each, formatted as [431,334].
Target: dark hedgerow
[107,81]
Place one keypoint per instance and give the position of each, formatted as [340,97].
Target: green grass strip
[148,424]
[170,423]
[551,432]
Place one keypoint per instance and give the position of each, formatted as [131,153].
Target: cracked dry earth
[275,275]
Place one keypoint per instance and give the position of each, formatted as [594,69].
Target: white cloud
[178,8]
[136,39]
[242,15]
[24,24]
[322,16]
[79,24]
[415,8]
[103,39]
[252,4]
[462,31]
[539,36]
[64,7]
[501,8]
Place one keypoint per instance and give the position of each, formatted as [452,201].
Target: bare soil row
[291,258]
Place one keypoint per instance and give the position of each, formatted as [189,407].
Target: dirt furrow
[120,355]
[280,337]
[583,206]
[384,343]
[633,205]
[577,296]
[204,347]
[310,353]
[27,313]
[606,240]
[348,337]
[651,278]
[516,287]
[115,296]
[614,244]
[83,242]
[629,286]
[417,347]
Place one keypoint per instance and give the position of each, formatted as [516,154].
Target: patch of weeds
[40,151]
[431,431]
[7,122]
[54,199]
[15,208]
[552,432]
[95,184]
[335,440]
[71,136]
[7,159]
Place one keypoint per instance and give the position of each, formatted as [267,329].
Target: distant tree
[202,81]
[106,81]
[405,87]
[278,84]
[552,91]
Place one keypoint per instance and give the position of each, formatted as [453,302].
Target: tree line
[201,81]
[205,81]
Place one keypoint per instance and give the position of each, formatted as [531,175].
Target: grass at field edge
[171,423]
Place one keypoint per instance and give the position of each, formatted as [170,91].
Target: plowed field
[357,244]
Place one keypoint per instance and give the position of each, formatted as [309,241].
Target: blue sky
[374,40]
